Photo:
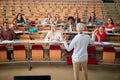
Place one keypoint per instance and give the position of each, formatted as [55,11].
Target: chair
[21,28]
[68,57]
[46,27]
[25,37]
[108,55]
[37,52]
[55,52]
[3,53]
[92,55]
[37,36]
[19,52]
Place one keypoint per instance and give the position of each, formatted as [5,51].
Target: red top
[110,26]
[7,35]
[102,36]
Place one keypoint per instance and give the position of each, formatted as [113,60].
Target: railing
[117,5]
[104,13]
[7,2]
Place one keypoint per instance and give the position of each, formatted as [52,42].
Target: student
[80,56]
[54,34]
[7,34]
[110,27]
[32,30]
[100,34]
[93,20]
[57,19]
[70,26]
[48,19]
[77,19]
[19,20]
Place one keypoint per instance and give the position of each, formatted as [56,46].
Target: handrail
[104,13]
[117,6]
[50,2]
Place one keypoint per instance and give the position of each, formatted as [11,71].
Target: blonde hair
[80,27]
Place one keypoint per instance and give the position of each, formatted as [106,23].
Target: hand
[65,38]
[96,30]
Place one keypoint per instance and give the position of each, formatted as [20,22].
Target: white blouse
[55,36]
[79,43]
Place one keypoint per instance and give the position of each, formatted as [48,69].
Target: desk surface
[73,32]
[59,42]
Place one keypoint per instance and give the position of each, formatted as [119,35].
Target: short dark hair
[71,17]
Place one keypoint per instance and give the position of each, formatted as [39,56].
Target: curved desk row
[45,31]
[29,43]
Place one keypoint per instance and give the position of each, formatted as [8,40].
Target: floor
[59,71]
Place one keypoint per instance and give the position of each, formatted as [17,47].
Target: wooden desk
[30,42]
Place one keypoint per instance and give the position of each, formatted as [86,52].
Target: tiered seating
[39,8]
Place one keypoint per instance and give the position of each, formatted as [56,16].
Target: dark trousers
[9,54]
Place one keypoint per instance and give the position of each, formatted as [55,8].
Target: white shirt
[70,28]
[55,36]
[79,43]
[47,21]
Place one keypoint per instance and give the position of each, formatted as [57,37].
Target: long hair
[94,17]
[111,20]
[18,15]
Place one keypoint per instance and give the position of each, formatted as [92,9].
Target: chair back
[19,52]
[92,55]
[37,52]
[108,55]
[55,52]
[3,53]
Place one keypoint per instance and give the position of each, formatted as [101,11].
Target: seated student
[70,26]
[54,34]
[110,27]
[93,20]
[100,34]
[32,30]
[77,19]
[19,20]
[7,34]
[57,19]
[48,19]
